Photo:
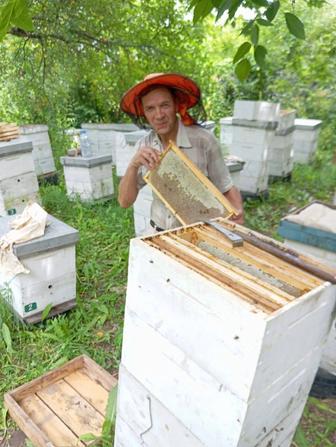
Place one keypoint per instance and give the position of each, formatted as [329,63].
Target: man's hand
[146,156]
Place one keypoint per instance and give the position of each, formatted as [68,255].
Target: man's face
[160,111]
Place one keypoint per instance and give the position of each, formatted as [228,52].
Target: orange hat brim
[187,90]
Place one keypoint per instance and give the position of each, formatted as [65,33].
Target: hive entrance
[256,276]
[185,190]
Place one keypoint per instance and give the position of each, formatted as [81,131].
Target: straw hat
[185,90]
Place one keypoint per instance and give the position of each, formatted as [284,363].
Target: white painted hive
[256,110]
[225,134]
[104,137]
[89,178]
[126,148]
[18,181]
[216,355]
[52,264]
[42,151]
[305,139]
[251,141]
[280,158]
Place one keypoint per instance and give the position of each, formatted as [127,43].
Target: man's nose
[159,113]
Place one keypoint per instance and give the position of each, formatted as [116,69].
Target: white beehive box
[18,181]
[256,110]
[206,359]
[143,203]
[104,137]
[225,134]
[280,159]
[251,141]
[126,149]
[305,139]
[42,152]
[52,265]
[88,177]
[312,231]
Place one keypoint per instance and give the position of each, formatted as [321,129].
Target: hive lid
[119,127]
[86,162]
[307,124]
[314,224]
[254,272]
[57,234]
[17,146]
[185,190]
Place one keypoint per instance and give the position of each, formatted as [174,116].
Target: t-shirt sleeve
[142,170]
[218,172]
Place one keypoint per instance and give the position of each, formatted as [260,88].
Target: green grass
[95,326]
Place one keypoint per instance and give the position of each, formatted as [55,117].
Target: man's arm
[128,187]
[234,197]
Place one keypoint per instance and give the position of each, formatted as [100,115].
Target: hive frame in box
[46,428]
[201,178]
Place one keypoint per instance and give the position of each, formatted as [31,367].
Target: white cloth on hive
[316,216]
[29,225]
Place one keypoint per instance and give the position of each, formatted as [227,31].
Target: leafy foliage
[263,13]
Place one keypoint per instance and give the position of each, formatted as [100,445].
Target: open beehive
[185,190]
[221,344]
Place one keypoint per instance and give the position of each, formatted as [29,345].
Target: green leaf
[224,6]
[264,22]
[7,338]
[46,311]
[242,50]
[247,28]
[272,10]
[259,55]
[300,438]
[110,412]
[202,9]
[255,34]
[233,8]
[261,3]
[243,69]
[295,26]
[5,16]
[21,16]
[87,437]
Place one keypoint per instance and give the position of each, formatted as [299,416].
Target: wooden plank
[247,254]
[70,407]
[287,297]
[214,275]
[55,430]
[89,389]
[96,372]
[25,423]
[52,376]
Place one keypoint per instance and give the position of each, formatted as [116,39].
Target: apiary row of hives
[221,344]
[269,139]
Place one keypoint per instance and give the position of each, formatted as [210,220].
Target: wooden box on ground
[251,141]
[56,409]
[52,279]
[143,203]
[18,181]
[88,177]
[104,138]
[126,149]
[315,237]
[220,344]
[42,152]
[280,158]
[305,137]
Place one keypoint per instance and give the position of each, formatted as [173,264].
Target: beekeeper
[163,100]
